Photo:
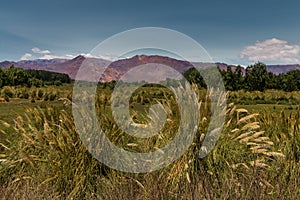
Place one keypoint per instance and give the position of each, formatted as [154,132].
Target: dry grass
[256,157]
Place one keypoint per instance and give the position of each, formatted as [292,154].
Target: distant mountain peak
[140,57]
[79,57]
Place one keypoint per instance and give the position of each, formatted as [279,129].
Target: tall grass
[256,157]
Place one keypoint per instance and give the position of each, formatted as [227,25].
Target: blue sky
[232,31]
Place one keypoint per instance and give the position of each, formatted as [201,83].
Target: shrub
[6,98]
[33,94]
[7,91]
[25,94]
[57,83]
[40,93]
[52,97]
[46,97]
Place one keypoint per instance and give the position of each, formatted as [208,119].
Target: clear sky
[232,31]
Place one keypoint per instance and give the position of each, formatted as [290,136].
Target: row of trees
[16,76]
[255,78]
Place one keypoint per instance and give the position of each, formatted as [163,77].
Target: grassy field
[10,110]
[256,157]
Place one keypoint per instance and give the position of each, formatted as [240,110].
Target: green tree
[238,77]
[289,81]
[193,76]
[256,77]
[17,76]
[3,78]
[233,79]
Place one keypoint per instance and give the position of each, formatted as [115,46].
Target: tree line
[13,76]
[256,78]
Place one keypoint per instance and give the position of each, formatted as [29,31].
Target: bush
[25,94]
[52,97]
[57,83]
[46,97]
[40,94]
[18,94]
[7,91]
[6,98]
[33,93]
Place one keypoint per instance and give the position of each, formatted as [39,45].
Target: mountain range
[116,69]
